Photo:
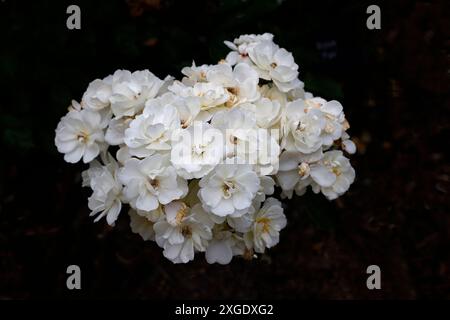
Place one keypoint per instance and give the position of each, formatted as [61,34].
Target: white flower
[303,127]
[269,220]
[267,187]
[334,118]
[333,174]
[244,140]
[267,112]
[268,153]
[208,95]
[197,160]
[105,200]
[151,181]
[184,231]
[229,189]
[153,215]
[80,134]
[115,132]
[347,144]
[276,64]
[141,225]
[194,74]
[241,45]
[240,82]
[223,246]
[123,154]
[142,222]
[188,109]
[239,129]
[294,171]
[197,150]
[272,93]
[98,94]
[151,131]
[130,91]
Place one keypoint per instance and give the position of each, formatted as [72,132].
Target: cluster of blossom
[198,160]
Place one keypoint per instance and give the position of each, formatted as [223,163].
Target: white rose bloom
[269,220]
[267,112]
[268,154]
[98,94]
[105,200]
[272,93]
[123,154]
[347,144]
[115,132]
[239,129]
[197,150]
[141,225]
[195,74]
[130,91]
[188,109]
[243,223]
[229,189]
[294,171]
[298,93]
[184,231]
[151,131]
[223,246]
[142,222]
[241,45]
[267,187]
[243,139]
[197,160]
[333,174]
[276,64]
[80,134]
[302,127]
[153,215]
[334,118]
[209,95]
[151,181]
[240,82]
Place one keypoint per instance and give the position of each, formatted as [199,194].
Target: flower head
[229,189]
[333,174]
[80,134]
[150,182]
[183,231]
[105,200]
[130,91]
[268,222]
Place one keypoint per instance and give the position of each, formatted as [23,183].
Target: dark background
[393,83]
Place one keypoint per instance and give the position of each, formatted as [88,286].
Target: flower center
[265,224]
[186,231]
[181,213]
[233,92]
[154,183]
[336,171]
[273,65]
[83,136]
[303,169]
[301,126]
[228,189]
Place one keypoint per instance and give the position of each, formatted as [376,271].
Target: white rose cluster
[198,160]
